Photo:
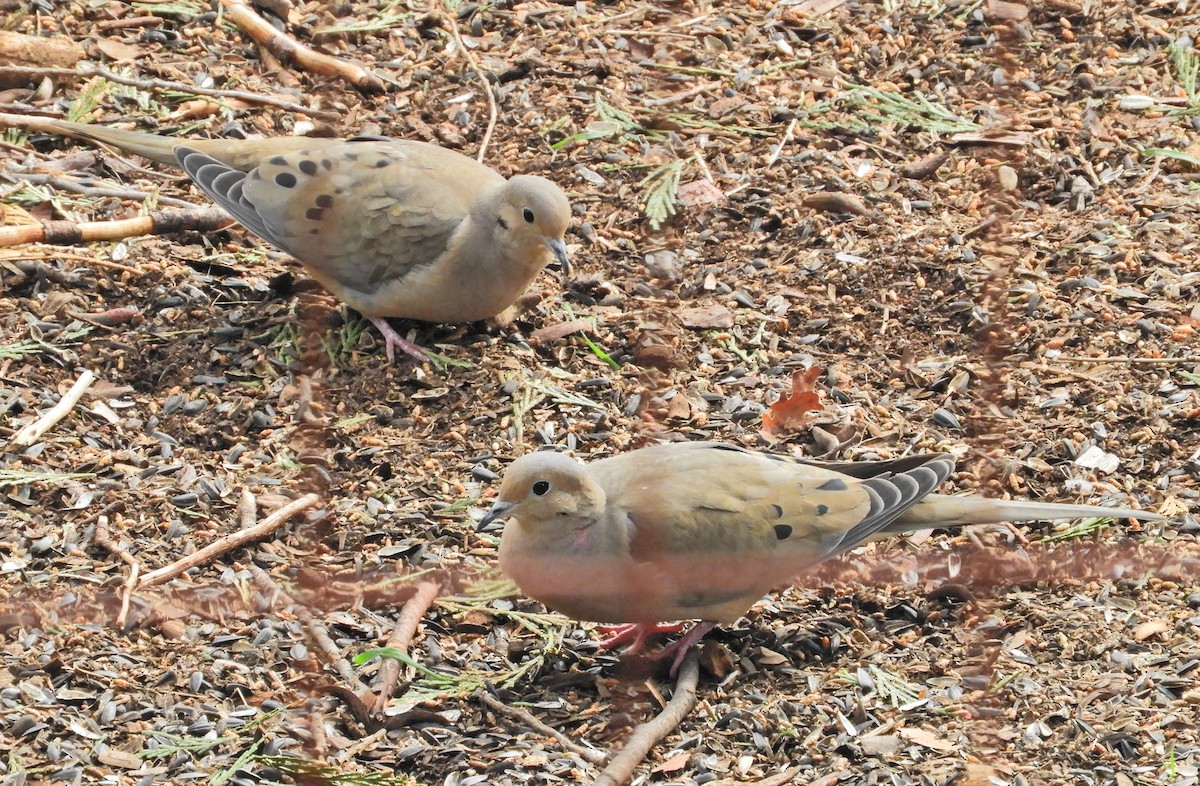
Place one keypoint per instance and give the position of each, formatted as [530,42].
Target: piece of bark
[18,49]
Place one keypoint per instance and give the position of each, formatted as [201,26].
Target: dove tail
[152,146]
[937,510]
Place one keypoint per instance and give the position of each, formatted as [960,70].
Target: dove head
[548,492]
[531,219]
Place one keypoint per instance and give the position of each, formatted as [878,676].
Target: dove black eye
[541,487]
[528,216]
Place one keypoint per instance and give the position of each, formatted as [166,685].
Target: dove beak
[559,249]
[498,512]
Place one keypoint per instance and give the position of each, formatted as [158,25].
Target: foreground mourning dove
[702,530]
[394,228]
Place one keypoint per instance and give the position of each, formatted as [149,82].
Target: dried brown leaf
[792,413]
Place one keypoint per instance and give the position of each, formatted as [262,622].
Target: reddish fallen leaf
[673,764]
[792,413]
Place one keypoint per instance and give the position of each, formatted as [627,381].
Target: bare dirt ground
[978,218]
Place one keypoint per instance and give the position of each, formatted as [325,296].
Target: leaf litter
[869,236]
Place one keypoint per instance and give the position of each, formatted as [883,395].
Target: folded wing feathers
[225,185]
[891,495]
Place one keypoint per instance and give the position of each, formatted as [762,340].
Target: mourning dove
[395,228]
[702,530]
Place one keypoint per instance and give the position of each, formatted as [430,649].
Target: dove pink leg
[685,642]
[392,339]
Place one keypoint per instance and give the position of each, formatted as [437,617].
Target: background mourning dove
[703,530]
[395,228]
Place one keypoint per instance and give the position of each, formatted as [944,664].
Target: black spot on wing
[308,167]
[777,510]
[783,531]
[833,484]
[821,510]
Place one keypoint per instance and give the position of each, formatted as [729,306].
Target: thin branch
[287,48]
[229,542]
[406,628]
[587,754]
[493,110]
[34,431]
[620,770]
[87,70]
[160,222]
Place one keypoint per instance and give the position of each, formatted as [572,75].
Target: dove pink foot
[637,633]
[392,339]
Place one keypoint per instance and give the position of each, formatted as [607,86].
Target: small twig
[103,539]
[288,49]
[319,739]
[317,630]
[1150,177]
[620,770]
[779,779]
[699,159]
[402,635]
[778,151]
[77,186]
[160,222]
[682,95]
[587,754]
[86,70]
[128,22]
[1117,359]
[324,642]
[33,432]
[229,542]
[127,594]
[493,111]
